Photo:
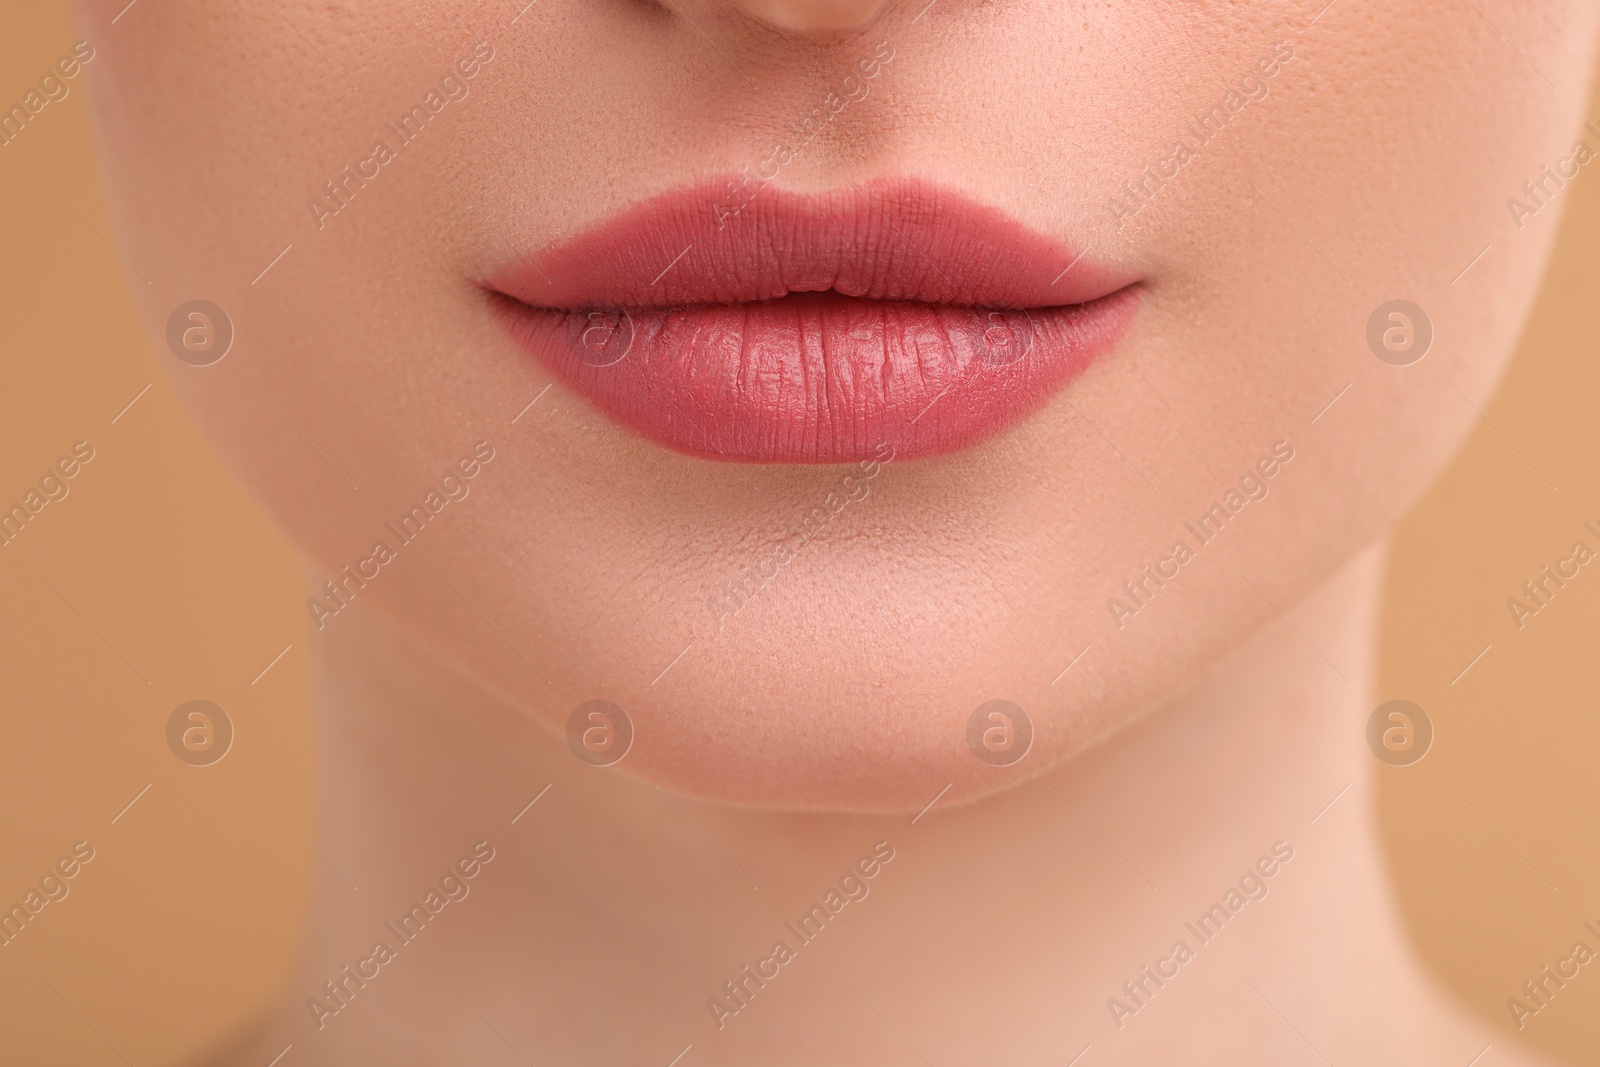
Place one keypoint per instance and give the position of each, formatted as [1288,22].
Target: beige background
[169,585]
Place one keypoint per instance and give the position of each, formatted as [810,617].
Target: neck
[1021,927]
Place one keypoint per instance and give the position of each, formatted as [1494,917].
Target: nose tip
[814,15]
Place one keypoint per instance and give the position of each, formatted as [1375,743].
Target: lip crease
[814,328]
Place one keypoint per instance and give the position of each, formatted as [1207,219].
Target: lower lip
[819,377]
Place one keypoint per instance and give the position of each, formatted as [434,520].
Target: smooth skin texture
[586,563]
[963,579]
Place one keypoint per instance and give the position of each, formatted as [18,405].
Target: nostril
[814,15]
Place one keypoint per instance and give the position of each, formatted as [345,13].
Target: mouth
[766,326]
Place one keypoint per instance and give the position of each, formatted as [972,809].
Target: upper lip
[890,240]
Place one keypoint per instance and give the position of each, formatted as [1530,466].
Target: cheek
[1298,221]
[186,112]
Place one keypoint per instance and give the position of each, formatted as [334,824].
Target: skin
[835,705]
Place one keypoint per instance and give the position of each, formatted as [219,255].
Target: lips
[814,328]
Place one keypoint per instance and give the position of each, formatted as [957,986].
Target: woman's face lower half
[858,398]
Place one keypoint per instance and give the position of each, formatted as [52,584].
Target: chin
[883,757]
[846,719]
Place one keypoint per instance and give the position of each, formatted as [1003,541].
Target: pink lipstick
[815,328]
